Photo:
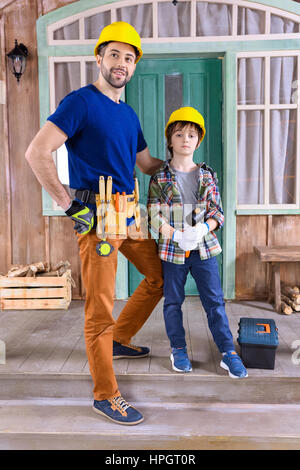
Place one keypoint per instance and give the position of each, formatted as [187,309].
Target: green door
[160,86]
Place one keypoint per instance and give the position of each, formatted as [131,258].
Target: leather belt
[89,197]
[86,196]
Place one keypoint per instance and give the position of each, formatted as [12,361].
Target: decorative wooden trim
[266,155]
[154,20]
[262,107]
[229,171]
[234,21]
[193,18]
[5,145]
[297,91]
[182,39]
[113,5]
[267,211]
[274,53]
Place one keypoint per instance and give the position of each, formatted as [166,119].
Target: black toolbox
[258,340]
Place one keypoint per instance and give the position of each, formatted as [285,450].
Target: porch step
[57,424]
[156,388]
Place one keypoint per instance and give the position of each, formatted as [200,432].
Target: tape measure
[104,248]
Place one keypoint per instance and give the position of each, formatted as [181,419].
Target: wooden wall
[25,235]
[263,230]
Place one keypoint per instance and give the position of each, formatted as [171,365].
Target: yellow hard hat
[187,114]
[120,31]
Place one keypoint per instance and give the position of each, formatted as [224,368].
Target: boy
[188,244]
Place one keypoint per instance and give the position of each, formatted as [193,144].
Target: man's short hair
[102,47]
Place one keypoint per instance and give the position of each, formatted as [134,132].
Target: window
[268,130]
[190,19]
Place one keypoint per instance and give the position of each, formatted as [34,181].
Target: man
[103,137]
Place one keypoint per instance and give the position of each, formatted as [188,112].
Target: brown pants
[98,275]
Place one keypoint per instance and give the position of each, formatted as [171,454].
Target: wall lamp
[17,59]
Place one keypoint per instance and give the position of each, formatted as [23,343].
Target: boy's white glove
[195,234]
[187,245]
[183,242]
[177,236]
[190,237]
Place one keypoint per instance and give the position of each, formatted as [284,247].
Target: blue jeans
[206,275]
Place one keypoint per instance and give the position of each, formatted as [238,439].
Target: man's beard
[114,82]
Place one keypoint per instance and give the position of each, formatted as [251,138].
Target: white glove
[184,244]
[196,233]
[177,236]
[187,245]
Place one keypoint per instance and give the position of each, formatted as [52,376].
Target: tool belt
[89,197]
[113,210]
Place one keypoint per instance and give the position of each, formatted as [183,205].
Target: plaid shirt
[165,205]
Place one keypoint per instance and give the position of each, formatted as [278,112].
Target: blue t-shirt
[103,139]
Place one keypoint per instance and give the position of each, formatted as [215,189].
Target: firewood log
[286,309]
[62,267]
[292,304]
[28,270]
[292,294]
[18,271]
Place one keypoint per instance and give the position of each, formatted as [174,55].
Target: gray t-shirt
[187,184]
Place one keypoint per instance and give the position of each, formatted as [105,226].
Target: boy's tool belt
[113,210]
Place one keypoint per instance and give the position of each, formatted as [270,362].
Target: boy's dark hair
[102,47]
[178,126]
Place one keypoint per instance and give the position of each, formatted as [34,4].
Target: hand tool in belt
[137,211]
[103,248]
[121,213]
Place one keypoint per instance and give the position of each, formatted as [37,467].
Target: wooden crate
[40,292]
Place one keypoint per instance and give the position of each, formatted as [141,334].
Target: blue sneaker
[118,411]
[232,362]
[122,351]
[180,360]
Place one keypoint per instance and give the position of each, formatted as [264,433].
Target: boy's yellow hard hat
[120,31]
[189,114]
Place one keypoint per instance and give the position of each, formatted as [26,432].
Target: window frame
[267,107]
[268,10]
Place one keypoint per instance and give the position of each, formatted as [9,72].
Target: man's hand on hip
[83,216]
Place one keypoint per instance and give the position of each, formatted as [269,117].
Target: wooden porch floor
[45,341]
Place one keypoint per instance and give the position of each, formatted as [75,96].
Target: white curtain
[216,20]
[282,132]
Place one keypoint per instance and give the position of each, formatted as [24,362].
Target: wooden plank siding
[263,230]
[25,235]
[44,238]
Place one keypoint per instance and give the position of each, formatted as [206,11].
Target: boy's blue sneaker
[118,411]
[180,360]
[232,362]
[122,351]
